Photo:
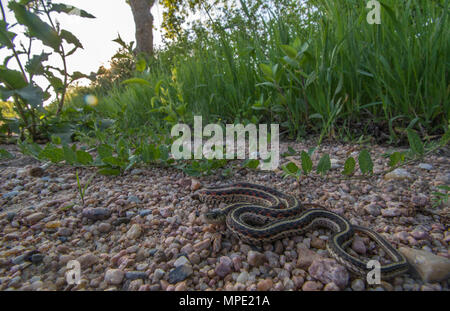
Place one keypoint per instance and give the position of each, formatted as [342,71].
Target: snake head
[215,216]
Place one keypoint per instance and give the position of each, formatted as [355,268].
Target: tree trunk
[144,24]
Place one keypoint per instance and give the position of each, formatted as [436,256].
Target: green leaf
[251,163]
[68,9]
[83,157]
[267,70]
[307,163]
[415,143]
[36,27]
[349,166]
[6,37]
[12,79]
[324,164]
[69,155]
[105,151]
[141,64]
[396,158]
[113,161]
[445,138]
[289,51]
[109,171]
[136,80]
[34,65]
[32,94]
[290,168]
[5,155]
[365,162]
[52,153]
[70,38]
[56,140]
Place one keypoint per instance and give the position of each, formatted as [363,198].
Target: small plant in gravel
[82,190]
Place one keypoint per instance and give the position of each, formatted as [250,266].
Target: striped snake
[259,214]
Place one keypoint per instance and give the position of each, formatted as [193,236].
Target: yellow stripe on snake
[259,214]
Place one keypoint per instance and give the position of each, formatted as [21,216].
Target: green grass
[394,74]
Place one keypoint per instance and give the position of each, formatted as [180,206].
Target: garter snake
[259,214]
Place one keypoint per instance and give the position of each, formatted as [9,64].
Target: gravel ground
[143,231]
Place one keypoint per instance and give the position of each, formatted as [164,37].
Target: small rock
[373,209]
[34,218]
[104,227]
[37,258]
[96,213]
[255,258]
[312,286]
[202,245]
[398,174]
[420,200]
[359,246]
[306,257]
[328,270]
[134,232]
[358,285]
[134,275]
[181,261]
[425,166]
[64,232]
[36,172]
[243,277]
[224,267]
[114,276]
[331,287]
[195,185]
[318,243]
[88,260]
[430,267]
[391,212]
[10,195]
[180,274]
[264,285]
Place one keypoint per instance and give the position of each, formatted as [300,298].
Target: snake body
[259,214]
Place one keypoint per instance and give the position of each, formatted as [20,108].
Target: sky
[112,17]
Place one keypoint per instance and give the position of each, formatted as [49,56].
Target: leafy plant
[27,96]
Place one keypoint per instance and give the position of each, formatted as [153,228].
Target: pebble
[391,212]
[426,166]
[255,258]
[104,227]
[10,195]
[88,260]
[430,267]
[243,277]
[34,218]
[331,287]
[180,274]
[312,286]
[358,285]
[398,174]
[134,232]
[306,257]
[96,213]
[328,270]
[373,209]
[134,275]
[114,276]
[359,246]
[264,285]
[224,267]
[181,261]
